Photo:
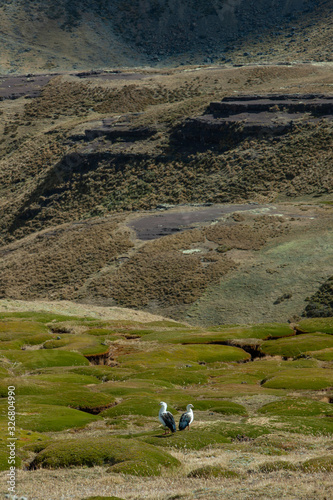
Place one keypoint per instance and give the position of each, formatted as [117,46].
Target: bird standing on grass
[166,418]
[187,418]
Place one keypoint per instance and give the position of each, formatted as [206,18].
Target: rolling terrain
[241,202]
[166,234]
[88,388]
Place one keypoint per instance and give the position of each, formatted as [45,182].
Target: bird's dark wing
[169,421]
[184,421]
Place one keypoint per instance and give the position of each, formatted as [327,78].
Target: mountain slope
[42,36]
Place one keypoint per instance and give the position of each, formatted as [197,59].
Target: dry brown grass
[65,256]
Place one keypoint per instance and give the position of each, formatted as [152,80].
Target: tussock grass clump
[209,471]
[122,455]
[318,464]
[277,466]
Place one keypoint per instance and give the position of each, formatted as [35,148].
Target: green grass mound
[277,466]
[195,439]
[86,344]
[79,398]
[105,332]
[9,329]
[313,379]
[222,334]
[297,407]
[297,345]
[132,387]
[318,464]
[263,331]
[324,325]
[49,418]
[103,373]
[209,471]
[122,455]
[178,356]
[322,355]
[43,358]
[144,405]
[62,375]
[56,383]
[182,376]
[23,341]
[24,387]
[4,456]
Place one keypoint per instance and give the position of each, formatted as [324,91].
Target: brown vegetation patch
[165,272]
[56,262]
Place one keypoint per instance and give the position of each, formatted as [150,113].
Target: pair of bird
[168,422]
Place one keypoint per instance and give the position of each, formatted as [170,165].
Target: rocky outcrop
[235,118]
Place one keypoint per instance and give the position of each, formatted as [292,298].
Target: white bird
[166,418]
[187,418]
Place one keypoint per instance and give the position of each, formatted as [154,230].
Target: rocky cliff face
[80,34]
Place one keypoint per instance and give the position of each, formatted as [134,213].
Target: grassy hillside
[88,393]
[85,160]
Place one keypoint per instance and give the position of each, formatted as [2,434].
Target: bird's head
[162,403]
[189,406]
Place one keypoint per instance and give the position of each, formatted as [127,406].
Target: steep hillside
[43,36]
[84,157]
